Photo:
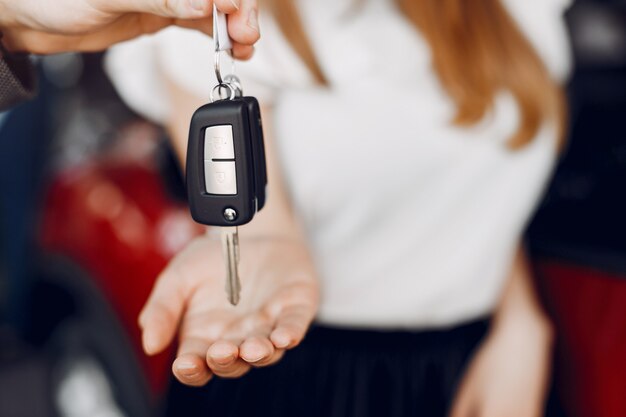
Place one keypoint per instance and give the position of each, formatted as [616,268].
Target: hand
[50,26]
[278,302]
[508,376]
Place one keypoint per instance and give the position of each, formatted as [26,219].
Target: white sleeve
[133,69]
[185,57]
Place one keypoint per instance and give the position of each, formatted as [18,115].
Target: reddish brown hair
[478,51]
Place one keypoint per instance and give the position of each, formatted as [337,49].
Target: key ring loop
[219,87]
[233,81]
[217,67]
[221,41]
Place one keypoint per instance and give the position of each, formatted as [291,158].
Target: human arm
[51,26]
[280,292]
[508,376]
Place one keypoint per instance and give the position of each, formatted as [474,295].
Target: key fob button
[218,142]
[220,177]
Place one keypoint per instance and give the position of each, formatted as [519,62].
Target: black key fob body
[226,173]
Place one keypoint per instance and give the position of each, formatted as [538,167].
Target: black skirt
[344,373]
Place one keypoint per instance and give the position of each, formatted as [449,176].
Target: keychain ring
[218,88]
[217,67]
[234,82]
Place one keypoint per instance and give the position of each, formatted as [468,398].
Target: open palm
[278,302]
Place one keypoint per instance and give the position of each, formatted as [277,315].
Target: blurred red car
[113,218]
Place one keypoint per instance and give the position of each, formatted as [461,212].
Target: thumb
[160,316]
[180,9]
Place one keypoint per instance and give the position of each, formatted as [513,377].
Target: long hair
[478,51]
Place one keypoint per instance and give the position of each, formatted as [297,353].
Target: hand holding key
[279,301]
[51,26]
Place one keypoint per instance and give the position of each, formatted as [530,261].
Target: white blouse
[413,222]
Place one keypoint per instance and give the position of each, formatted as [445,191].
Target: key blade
[230,249]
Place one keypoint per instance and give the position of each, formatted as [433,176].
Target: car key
[226,174]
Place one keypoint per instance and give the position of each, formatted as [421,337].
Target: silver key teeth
[230,248]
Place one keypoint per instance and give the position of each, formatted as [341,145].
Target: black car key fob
[226,172]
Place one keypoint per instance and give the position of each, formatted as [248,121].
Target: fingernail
[223,360]
[235,3]
[253,19]
[281,340]
[221,353]
[254,359]
[198,4]
[185,366]
[222,357]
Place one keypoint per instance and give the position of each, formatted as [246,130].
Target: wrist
[528,324]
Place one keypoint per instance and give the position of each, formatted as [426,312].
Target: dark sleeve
[18,81]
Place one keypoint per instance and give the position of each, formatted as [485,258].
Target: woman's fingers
[223,359]
[125,27]
[242,52]
[255,330]
[183,9]
[257,350]
[291,326]
[190,367]
[228,6]
[162,312]
[243,25]
[245,343]
[223,355]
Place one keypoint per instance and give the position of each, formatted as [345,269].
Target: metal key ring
[233,92]
[217,67]
[234,82]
